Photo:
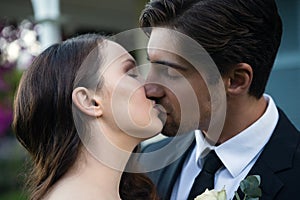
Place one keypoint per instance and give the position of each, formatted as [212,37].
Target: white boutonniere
[212,195]
[249,186]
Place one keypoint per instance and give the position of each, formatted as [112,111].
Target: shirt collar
[239,151]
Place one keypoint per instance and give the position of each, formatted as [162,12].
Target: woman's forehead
[114,52]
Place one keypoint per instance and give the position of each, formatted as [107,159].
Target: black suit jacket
[278,165]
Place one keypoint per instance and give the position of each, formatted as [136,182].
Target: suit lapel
[169,174]
[270,183]
[169,177]
[276,157]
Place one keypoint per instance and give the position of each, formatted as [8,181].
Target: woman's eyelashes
[134,73]
[131,69]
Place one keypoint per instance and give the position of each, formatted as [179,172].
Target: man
[242,37]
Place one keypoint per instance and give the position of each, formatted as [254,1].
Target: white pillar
[46,14]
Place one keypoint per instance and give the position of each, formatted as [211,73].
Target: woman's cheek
[140,108]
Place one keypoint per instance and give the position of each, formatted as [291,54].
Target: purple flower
[18,46]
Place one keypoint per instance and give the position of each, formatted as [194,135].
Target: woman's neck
[88,177]
[98,168]
[98,174]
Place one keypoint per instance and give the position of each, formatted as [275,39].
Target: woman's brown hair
[43,120]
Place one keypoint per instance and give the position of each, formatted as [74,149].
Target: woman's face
[125,106]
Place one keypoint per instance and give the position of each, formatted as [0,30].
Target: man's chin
[171,131]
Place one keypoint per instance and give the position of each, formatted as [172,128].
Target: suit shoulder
[286,124]
[155,145]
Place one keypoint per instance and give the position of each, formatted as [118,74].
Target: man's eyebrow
[167,63]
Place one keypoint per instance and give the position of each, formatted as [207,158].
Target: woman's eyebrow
[130,60]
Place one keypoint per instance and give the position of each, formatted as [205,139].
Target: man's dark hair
[231,31]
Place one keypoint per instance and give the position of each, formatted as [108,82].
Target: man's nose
[154,91]
[153,87]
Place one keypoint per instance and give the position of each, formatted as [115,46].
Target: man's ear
[87,102]
[239,79]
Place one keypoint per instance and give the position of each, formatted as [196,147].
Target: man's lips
[160,108]
[162,112]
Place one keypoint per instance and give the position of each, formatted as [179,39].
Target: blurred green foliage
[12,170]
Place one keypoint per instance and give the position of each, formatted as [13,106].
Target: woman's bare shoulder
[74,190]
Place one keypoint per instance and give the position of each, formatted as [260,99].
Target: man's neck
[241,113]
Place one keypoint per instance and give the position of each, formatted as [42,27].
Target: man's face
[174,83]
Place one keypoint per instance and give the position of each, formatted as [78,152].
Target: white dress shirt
[238,155]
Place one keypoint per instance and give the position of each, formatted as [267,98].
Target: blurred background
[27,27]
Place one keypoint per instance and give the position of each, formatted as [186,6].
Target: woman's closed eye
[134,73]
[131,68]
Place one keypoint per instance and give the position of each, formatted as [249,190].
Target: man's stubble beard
[171,127]
[188,124]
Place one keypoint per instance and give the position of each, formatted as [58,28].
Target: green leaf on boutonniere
[250,187]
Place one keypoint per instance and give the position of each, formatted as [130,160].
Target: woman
[76,113]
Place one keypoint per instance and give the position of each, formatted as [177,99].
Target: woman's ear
[239,79]
[87,102]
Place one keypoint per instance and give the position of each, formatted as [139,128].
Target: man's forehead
[160,45]
[175,47]
[162,39]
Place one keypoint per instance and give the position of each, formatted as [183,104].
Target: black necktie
[205,179]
